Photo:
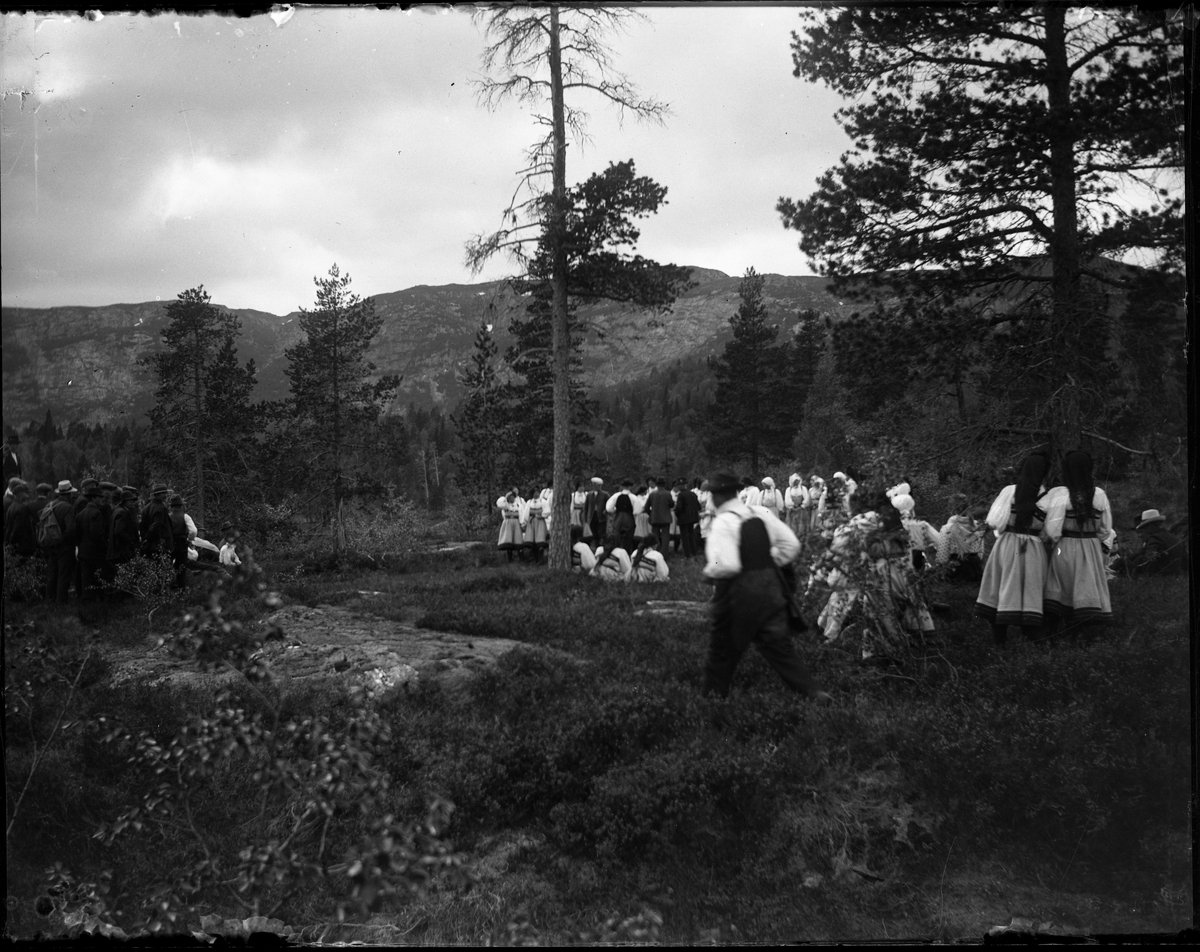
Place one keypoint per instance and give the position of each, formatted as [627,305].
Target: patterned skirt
[1076,583]
[535,531]
[1014,580]
[510,534]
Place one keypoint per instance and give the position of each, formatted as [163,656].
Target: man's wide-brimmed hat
[44,487]
[1150,516]
[65,488]
[177,501]
[597,481]
[159,490]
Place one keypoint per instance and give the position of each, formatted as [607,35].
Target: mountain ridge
[81,362]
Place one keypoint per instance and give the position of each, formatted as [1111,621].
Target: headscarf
[1077,477]
[1029,488]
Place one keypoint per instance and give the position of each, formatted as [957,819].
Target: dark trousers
[662,534]
[60,573]
[688,533]
[749,609]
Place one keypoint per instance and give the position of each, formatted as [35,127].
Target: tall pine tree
[202,403]
[749,419]
[333,397]
[479,422]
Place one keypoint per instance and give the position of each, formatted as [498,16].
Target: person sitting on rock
[1161,553]
[229,556]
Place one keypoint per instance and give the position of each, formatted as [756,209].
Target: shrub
[388,533]
[152,581]
[24,578]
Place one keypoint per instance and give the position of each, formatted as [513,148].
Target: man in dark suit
[594,511]
[687,514]
[659,505]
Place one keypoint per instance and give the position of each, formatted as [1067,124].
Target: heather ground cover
[938,797]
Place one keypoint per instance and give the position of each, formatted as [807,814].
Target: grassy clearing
[934,799]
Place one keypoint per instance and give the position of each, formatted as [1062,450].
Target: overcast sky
[143,155]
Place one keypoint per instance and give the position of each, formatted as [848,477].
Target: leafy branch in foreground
[314,780]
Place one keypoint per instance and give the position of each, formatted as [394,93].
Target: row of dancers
[678,516]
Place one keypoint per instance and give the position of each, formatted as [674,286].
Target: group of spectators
[84,535]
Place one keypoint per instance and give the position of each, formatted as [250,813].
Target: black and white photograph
[414,416]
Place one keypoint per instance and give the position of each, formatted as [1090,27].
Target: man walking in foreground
[746,547]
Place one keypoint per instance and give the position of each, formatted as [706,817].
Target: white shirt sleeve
[191,526]
[587,560]
[997,516]
[1101,505]
[661,572]
[611,506]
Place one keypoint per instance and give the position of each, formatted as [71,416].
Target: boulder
[327,644]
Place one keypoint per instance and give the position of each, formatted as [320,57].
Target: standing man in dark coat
[18,524]
[155,526]
[12,462]
[594,512]
[746,548]
[123,538]
[91,527]
[660,504]
[43,498]
[179,539]
[621,507]
[687,514]
[60,560]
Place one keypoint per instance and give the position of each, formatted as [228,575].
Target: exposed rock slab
[327,643]
[679,608]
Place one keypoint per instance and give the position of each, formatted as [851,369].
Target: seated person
[961,547]
[1161,553]
[612,561]
[582,559]
[648,564]
[229,554]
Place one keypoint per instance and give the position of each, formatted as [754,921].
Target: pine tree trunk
[1065,423]
[198,508]
[560,539]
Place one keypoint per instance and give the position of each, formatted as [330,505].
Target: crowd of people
[1040,557]
[81,536]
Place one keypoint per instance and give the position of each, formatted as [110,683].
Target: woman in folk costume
[533,518]
[771,498]
[923,538]
[512,539]
[583,560]
[578,498]
[673,533]
[641,518]
[961,544]
[1078,521]
[547,495]
[794,499]
[895,603]
[1015,575]
[817,494]
[612,561]
[647,563]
